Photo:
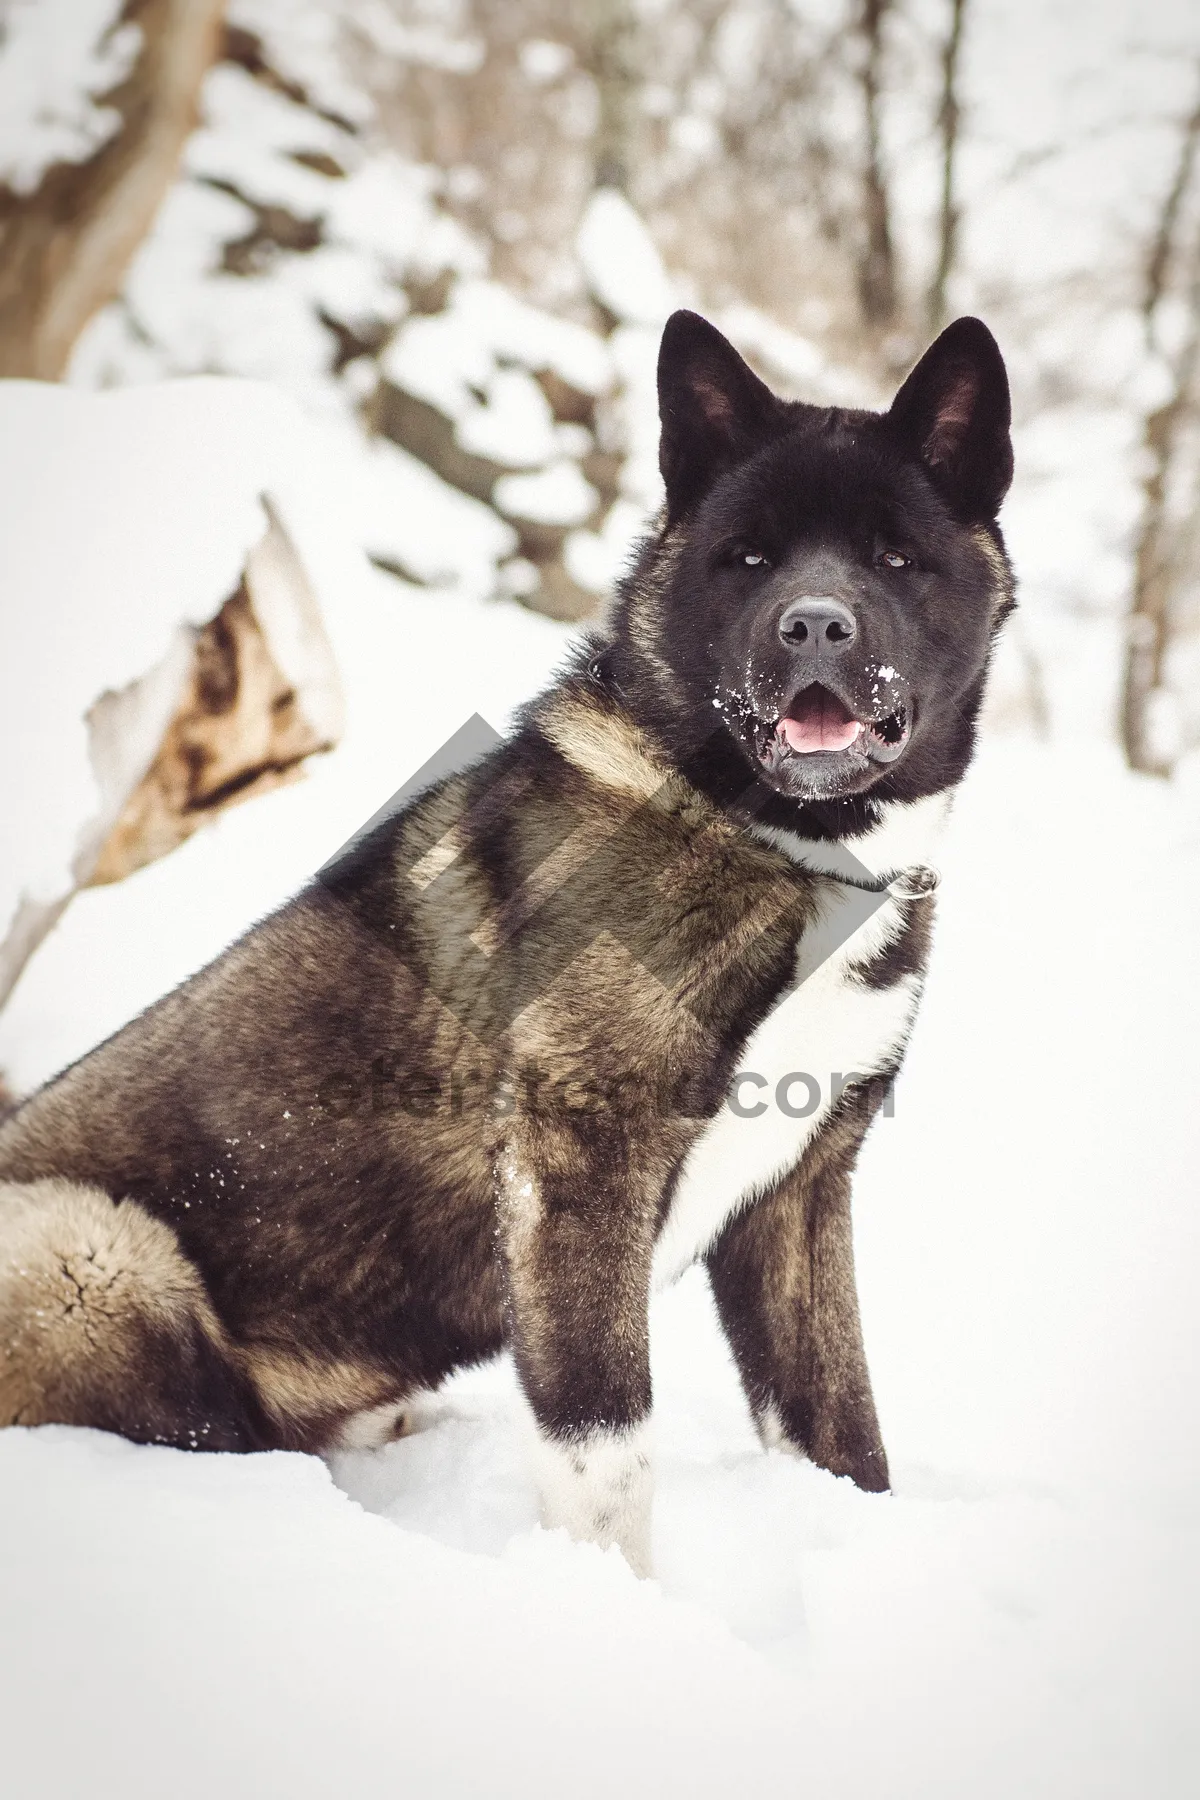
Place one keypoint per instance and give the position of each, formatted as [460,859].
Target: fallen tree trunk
[169,657]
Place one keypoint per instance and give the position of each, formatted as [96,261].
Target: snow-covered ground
[1019,1616]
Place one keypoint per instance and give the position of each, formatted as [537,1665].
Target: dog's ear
[954,414]
[714,410]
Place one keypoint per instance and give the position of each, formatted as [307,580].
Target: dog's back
[483,1079]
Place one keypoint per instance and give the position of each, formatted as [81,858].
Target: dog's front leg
[782,1275]
[576,1235]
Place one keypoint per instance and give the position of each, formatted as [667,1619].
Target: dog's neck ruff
[612,754]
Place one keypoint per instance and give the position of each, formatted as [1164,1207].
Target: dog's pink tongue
[822,724]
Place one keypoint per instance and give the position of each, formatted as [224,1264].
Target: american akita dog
[624,994]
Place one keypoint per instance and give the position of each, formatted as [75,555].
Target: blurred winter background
[327,336]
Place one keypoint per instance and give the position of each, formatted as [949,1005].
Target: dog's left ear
[954,413]
[715,411]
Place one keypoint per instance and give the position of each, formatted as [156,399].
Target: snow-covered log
[164,652]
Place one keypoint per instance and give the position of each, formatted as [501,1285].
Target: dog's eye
[752,559]
[895,559]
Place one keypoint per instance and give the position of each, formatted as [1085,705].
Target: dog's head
[827,583]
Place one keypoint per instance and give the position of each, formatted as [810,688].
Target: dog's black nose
[818,624]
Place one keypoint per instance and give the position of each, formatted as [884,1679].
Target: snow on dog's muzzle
[819,722]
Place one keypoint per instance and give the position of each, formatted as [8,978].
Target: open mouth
[818,723]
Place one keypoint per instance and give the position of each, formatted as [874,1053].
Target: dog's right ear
[954,414]
[714,410]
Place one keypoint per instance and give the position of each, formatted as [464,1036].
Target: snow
[182,312]
[351,1654]
[635,354]
[483,343]
[189,307]
[302,40]
[128,519]
[595,559]
[1020,1616]
[514,425]
[57,57]
[414,665]
[556,495]
[793,364]
[620,262]
[544,60]
[437,43]
[410,520]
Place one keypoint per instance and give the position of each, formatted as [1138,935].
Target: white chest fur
[823,1029]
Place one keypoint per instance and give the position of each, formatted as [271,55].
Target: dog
[623,994]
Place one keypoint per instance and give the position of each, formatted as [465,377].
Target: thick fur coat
[626,993]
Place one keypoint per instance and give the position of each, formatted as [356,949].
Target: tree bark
[1162,250]
[613,32]
[877,264]
[949,119]
[1157,568]
[1155,575]
[64,248]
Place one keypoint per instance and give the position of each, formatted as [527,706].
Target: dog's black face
[834,578]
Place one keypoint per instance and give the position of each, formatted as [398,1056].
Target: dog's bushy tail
[105,1321]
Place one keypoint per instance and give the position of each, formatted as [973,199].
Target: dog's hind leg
[105,1321]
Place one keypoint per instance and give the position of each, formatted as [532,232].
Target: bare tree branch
[613,35]
[877,265]
[1157,563]
[64,248]
[1161,250]
[948,122]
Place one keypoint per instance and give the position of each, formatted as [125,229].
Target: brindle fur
[353,1235]
[425,1111]
[782,1274]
